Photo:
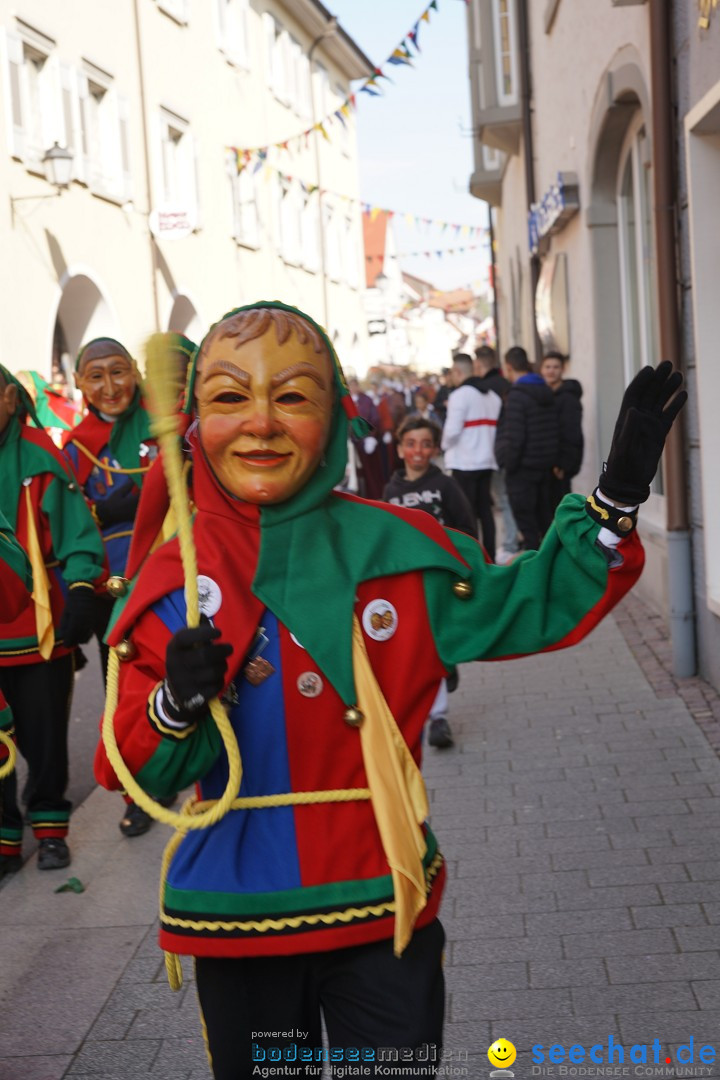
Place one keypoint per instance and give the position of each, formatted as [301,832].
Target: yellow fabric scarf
[41,586]
[398,794]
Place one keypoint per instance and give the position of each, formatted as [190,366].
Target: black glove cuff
[622,491]
[617,521]
[182,711]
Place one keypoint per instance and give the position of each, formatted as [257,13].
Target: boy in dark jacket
[527,444]
[420,485]
[568,393]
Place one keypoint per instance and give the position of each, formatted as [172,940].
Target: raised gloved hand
[370,444]
[120,506]
[78,617]
[646,415]
[196,665]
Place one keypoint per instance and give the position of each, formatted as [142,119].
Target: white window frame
[233,23]
[503,97]
[277,51]
[32,125]
[244,204]
[177,186]
[103,134]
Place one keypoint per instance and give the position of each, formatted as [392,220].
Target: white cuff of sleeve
[605,537]
[177,725]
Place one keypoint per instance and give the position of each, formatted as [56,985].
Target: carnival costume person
[44,506]
[329,624]
[15,588]
[110,451]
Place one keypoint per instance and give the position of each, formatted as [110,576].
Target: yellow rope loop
[288,798]
[173,970]
[9,765]
[104,466]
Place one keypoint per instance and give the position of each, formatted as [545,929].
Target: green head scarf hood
[24,457]
[319,538]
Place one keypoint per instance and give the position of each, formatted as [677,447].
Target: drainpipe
[680,577]
[493,264]
[525,84]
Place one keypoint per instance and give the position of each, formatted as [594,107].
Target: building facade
[570,117]
[158,229]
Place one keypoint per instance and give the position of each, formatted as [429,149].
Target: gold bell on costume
[116,586]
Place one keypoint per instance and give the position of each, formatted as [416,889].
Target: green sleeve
[176,764]
[531,604]
[76,541]
[13,555]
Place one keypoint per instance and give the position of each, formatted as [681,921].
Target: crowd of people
[512,439]
[331,627]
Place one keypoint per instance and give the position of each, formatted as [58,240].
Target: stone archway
[83,313]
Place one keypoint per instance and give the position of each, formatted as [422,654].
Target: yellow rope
[9,765]
[288,798]
[104,466]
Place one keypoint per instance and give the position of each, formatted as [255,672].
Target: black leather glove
[196,668]
[78,618]
[120,506]
[646,416]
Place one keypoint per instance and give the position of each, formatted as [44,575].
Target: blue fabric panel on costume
[249,850]
[98,487]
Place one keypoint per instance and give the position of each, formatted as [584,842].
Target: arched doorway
[184,319]
[83,313]
[621,234]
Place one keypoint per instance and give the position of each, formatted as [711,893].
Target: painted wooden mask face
[265,412]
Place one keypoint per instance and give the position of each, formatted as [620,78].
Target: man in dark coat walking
[568,394]
[526,444]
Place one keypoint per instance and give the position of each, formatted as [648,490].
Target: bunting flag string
[372,211]
[401,55]
[437,254]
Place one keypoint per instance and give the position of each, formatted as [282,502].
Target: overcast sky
[415,146]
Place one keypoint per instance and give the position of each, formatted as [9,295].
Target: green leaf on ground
[72,884]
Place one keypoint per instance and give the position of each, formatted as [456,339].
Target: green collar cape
[24,452]
[316,548]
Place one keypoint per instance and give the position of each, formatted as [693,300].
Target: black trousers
[528,494]
[556,490]
[368,997]
[101,617]
[476,485]
[39,696]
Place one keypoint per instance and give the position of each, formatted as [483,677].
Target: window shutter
[124,126]
[83,157]
[12,79]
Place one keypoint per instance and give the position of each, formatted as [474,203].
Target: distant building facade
[158,230]
[567,140]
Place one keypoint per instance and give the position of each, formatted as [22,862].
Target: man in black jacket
[568,393]
[526,444]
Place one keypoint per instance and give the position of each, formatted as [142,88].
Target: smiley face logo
[502,1053]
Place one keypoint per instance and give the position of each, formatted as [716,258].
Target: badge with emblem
[209,596]
[380,620]
[310,684]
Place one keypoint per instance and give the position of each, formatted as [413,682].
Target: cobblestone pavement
[579,814]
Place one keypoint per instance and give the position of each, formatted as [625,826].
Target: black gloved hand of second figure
[77,622]
[120,506]
[647,413]
[196,665]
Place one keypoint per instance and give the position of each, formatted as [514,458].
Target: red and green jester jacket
[301,879]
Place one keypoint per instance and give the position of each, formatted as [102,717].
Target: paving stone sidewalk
[579,814]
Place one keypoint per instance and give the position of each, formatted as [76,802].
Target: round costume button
[209,596]
[463,590]
[625,524]
[353,716]
[380,620]
[310,684]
